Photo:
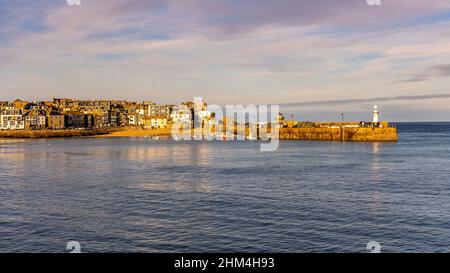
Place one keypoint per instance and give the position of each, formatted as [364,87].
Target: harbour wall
[325,134]
[340,134]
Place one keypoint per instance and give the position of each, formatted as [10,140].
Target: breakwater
[52,133]
[325,134]
[340,134]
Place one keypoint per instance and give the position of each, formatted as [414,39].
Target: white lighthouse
[376,114]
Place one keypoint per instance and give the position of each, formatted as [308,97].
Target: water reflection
[171,166]
[375,163]
[142,195]
[376,175]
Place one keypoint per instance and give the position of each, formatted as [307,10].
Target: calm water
[140,195]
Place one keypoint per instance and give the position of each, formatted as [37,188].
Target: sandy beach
[138,132]
[97,133]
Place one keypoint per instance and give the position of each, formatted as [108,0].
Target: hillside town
[64,117]
[63,113]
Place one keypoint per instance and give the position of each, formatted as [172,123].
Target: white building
[181,114]
[155,122]
[132,120]
[11,119]
[158,110]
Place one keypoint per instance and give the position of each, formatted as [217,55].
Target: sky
[317,59]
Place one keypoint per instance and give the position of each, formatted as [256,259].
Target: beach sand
[137,132]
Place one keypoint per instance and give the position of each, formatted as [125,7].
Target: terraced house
[155,122]
[35,120]
[64,113]
[158,110]
[74,120]
[56,121]
[11,118]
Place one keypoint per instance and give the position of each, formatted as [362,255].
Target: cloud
[232,17]
[216,18]
[370,100]
[441,70]
[252,51]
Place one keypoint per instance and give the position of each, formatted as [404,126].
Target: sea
[146,195]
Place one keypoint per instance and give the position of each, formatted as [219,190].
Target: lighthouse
[376,114]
